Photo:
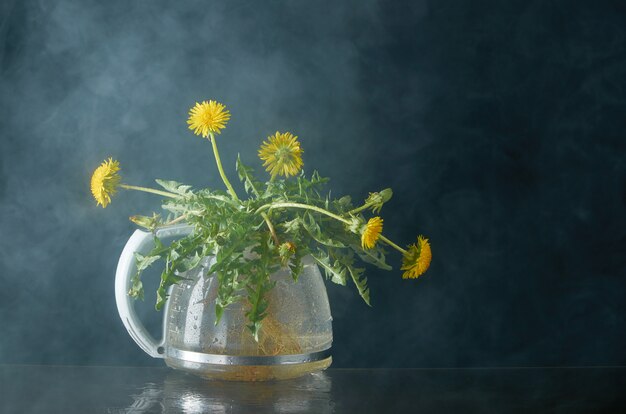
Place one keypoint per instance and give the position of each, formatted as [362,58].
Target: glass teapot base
[248,372]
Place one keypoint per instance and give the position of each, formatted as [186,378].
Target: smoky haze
[499,128]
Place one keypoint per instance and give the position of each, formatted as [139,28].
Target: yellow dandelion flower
[208,117]
[371,232]
[417,259]
[282,154]
[104,181]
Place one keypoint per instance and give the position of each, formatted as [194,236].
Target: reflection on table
[113,390]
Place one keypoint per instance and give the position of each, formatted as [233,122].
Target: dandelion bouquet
[281,221]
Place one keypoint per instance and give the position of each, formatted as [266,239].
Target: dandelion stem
[176,220]
[392,244]
[149,190]
[231,190]
[363,207]
[270,226]
[305,207]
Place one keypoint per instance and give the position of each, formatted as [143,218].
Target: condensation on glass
[294,340]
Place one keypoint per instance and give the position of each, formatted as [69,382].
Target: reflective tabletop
[69,389]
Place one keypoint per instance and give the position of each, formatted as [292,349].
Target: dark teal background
[499,125]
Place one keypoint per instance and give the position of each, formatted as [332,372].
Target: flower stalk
[176,220]
[218,161]
[271,228]
[392,244]
[359,209]
[302,206]
[149,190]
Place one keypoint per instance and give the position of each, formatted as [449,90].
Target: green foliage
[148,223]
[356,273]
[236,233]
[334,270]
[246,175]
[143,262]
[174,187]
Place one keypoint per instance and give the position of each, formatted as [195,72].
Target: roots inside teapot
[298,322]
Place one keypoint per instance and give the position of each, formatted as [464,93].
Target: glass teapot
[295,338]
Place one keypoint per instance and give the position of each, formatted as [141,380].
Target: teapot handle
[140,242]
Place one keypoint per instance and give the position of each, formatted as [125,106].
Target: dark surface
[500,126]
[59,389]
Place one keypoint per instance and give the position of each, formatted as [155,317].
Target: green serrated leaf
[344,204]
[177,209]
[174,187]
[149,223]
[311,226]
[246,175]
[143,262]
[375,257]
[219,311]
[334,272]
[136,289]
[190,263]
[360,282]
[292,226]
[296,266]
